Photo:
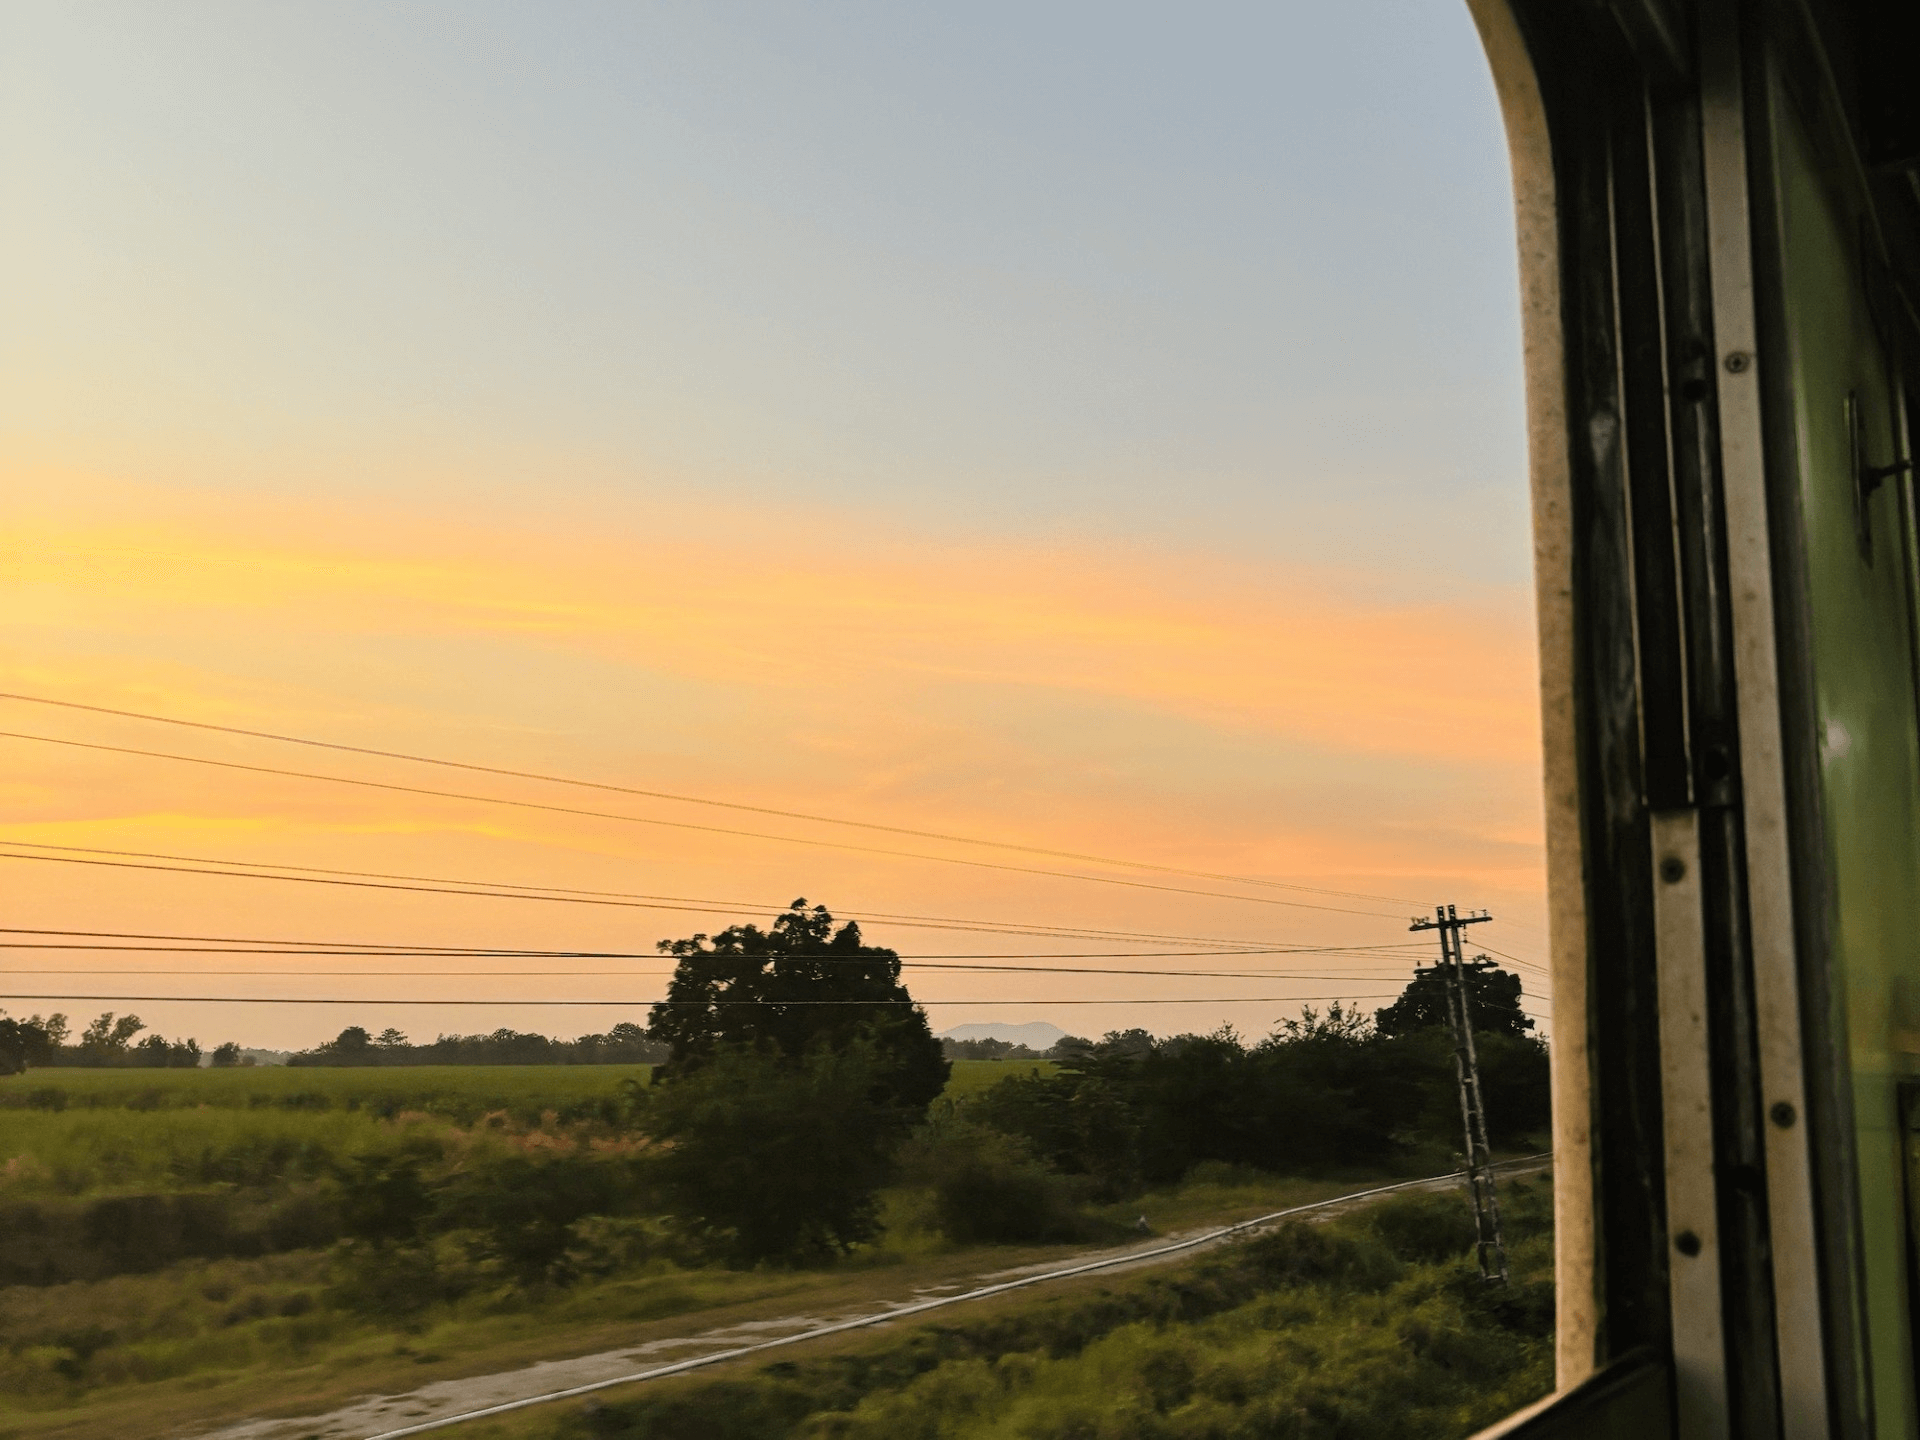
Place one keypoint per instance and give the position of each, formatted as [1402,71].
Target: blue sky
[1241,273]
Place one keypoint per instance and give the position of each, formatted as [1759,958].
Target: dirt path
[448,1402]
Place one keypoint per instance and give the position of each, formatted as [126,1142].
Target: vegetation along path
[452,1402]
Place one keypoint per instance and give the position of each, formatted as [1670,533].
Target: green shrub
[768,1158]
[397,1281]
[1003,1199]
[52,1240]
[523,1214]
[1225,1174]
[385,1198]
[1425,1227]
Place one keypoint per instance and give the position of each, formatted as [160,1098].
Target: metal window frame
[1703,1152]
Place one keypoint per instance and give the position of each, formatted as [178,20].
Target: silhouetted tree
[108,1041]
[105,1040]
[768,1157]
[157,1053]
[797,1064]
[23,1043]
[1493,993]
[626,1044]
[1325,1089]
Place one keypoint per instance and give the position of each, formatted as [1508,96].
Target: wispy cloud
[812,604]
[1312,726]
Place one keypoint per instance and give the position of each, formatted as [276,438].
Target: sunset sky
[1092,428]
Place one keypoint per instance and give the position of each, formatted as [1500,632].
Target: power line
[642,1004]
[1530,964]
[648,974]
[457,887]
[376,946]
[1511,959]
[681,824]
[625,1004]
[686,799]
[240,945]
[402,954]
[968,962]
[1525,925]
[965,962]
[501,890]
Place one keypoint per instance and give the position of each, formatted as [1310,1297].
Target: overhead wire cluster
[1192,946]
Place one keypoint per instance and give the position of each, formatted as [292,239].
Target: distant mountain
[1035,1035]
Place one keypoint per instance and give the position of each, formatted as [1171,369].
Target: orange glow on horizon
[1162,706]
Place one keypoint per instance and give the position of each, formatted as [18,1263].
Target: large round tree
[796,987]
[797,1064]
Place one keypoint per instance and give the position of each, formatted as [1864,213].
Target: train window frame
[1679,730]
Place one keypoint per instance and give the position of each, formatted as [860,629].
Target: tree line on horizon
[108,1043]
[40,1042]
[773,1125]
[758,975]
[624,1044]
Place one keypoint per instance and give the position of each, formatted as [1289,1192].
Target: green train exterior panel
[1861,614]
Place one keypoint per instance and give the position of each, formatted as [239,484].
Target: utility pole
[1473,1112]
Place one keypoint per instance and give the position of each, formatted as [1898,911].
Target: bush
[1426,1227]
[519,1213]
[1323,1092]
[384,1199]
[989,1187]
[397,1281]
[1333,1257]
[771,1159]
[53,1240]
[524,1213]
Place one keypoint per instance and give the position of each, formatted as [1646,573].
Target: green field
[457,1092]
[81,1132]
[461,1092]
[972,1076]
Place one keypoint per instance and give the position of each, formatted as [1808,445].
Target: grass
[970,1077]
[79,1152]
[1216,1194]
[77,1132]
[81,1131]
[458,1092]
[199,1341]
